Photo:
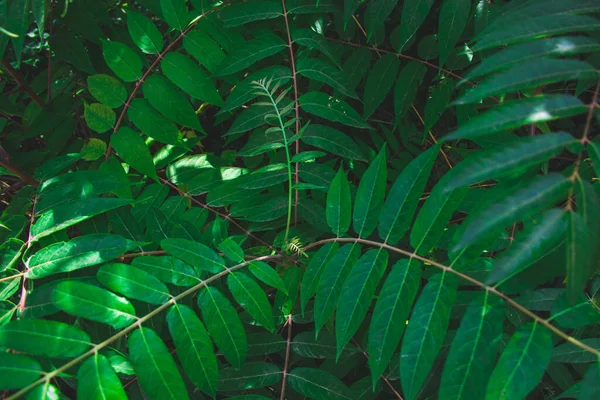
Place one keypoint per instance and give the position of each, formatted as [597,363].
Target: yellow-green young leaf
[17,371]
[252,298]
[170,102]
[175,13]
[130,146]
[330,285]
[543,235]
[190,78]
[375,14]
[306,345]
[473,351]
[199,256]
[133,282]
[407,85]
[520,31]
[151,123]
[357,294]
[249,53]
[379,82]
[541,193]
[391,312]
[522,363]
[96,379]
[155,368]
[267,275]
[333,141]
[99,117]
[204,49]
[123,61]
[168,269]
[590,387]
[516,113]
[438,100]
[414,13]
[312,275]
[194,348]
[44,338]
[580,264]
[369,197]
[339,204]
[80,252]
[527,75]
[574,315]
[320,70]
[573,354]
[107,90]
[426,331]
[505,159]
[224,325]
[453,20]
[242,13]
[332,109]
[318,384]
[253,375]
[403,198]
[93,149]
[144,33]
[93,303]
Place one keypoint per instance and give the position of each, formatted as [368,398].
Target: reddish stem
[287,356]
[22,84]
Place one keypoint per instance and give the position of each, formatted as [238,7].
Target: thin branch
[22,84]
[383,377]
[23,298]
[5,162]
[288,345]
[51,375]
[475,282]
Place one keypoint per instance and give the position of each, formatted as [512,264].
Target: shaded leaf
[175,13]
[251,296]
[332,109]
[107,90]
[97,380]
[319,70]
[144,33]
[454,15]
[414,13]
[168,269]
[332,140]
[251,52]
[242,13]
[312,275]
[317,384]
[339,204]
[379,82]
[151,123]
[129,145]
[133,282]
[252,375]
[123,61]
[370,196]
[17,371]
[196,254]
[267,275]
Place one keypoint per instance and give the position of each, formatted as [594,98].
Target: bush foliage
[300,199]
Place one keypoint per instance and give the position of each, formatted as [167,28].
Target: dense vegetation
[297,199]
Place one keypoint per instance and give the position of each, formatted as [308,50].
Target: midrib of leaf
[521,356]
[97,372]
[235,347]
[44,335]
[237,378]
[156,367]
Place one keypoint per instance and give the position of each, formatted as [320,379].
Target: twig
[286,364]
[22,84]
[383,377]
[6,162]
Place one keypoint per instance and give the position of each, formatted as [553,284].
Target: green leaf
[168,269]
[93,150]
[190,78]
[130,146]
[204,49]
[318,384]
[194,348]
[572,354]
[107,90]
[155,368]
[391,313]
[541,193]
[242,13]
[252,117]
[96,379]
[452,22]
[339,204]
[80,252]
[590,388]
[315,41]
[17,23]
[536,27]
[324,347]
[414,13]
[357,294]
[580,264]
[251,52]
[232,250]
[369,197]
[426,331]
[513,114]
[123,61]
[379,82]
[252,375]
[505,159]
[527,75]
[175,13]
[267,275]
[407,85]
[133,282]
[170,102]
[144,33]
[199,256]
[332,279]
[375,15]
[581,313]
[541,237]
[522,363]
[151,123]
[261,179]
[473,351]
[332,109]
[333,141]
[252,298]
[593,150]
[44,338]
[312,275]
[224,325]
[9,286]
[267,211]
[99,117]
[93,303]
[265,343]
[321,71]
[403,198]
[17,371]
